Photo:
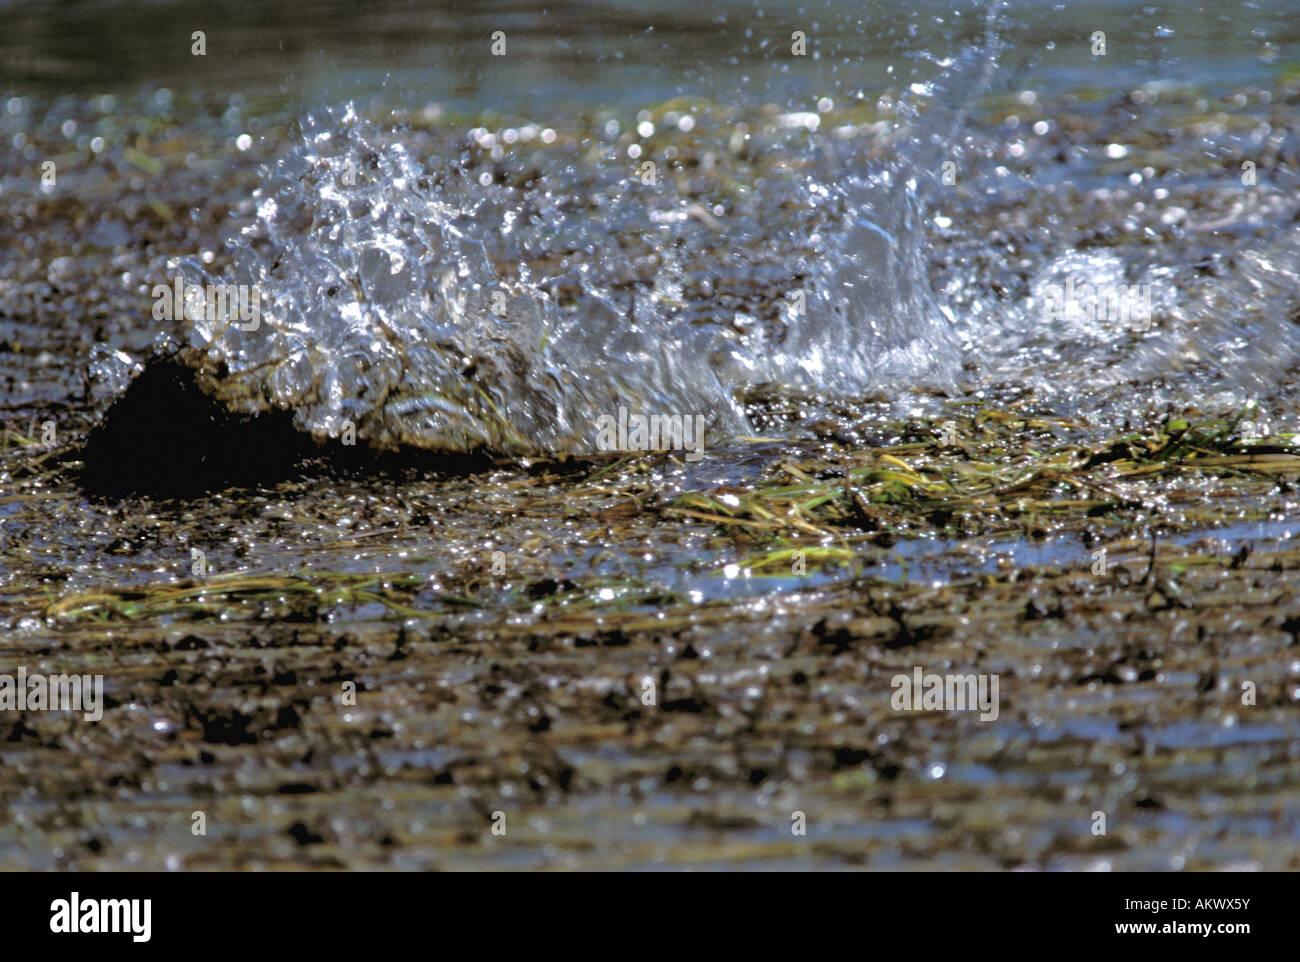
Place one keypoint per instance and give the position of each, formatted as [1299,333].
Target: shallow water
[926,306]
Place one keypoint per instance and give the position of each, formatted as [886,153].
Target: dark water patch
[165,437]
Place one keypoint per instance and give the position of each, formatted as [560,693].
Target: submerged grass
[283,597]
[997,476]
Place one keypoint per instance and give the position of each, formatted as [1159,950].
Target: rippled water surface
[953,296]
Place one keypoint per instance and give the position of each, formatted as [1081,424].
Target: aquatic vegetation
[996,477]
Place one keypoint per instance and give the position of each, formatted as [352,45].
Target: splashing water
[384,308]
[385,302]
[436,306]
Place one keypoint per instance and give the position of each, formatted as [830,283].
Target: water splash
[430,302]
[398,296]
[385,308]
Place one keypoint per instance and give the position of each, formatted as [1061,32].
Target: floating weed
[227,596]
[997,477]
[811,557]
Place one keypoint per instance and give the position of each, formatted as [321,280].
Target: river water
[827,231]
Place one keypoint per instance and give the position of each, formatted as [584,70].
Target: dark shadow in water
[165,438]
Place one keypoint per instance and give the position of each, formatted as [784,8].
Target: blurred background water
[576,54]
